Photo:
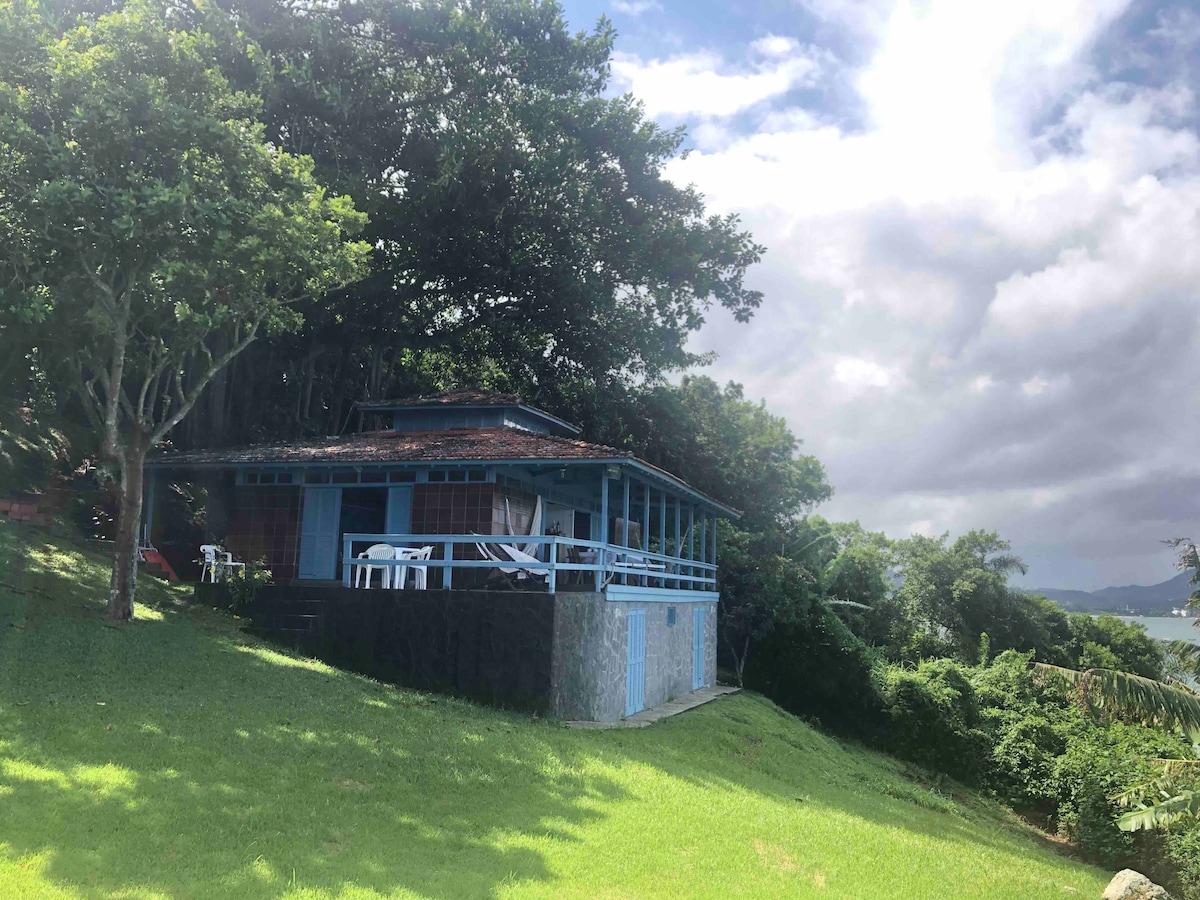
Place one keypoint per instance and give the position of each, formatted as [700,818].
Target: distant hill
[1141,599]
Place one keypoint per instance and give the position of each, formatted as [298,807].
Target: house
[588,572]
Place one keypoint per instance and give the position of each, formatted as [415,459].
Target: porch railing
[610,567]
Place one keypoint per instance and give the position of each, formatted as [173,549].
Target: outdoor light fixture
[612,472]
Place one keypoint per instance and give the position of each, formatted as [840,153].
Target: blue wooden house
[613,559]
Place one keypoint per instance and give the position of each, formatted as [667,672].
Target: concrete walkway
[663,710]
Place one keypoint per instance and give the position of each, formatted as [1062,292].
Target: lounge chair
[514,554]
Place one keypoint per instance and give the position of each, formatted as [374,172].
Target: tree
[526,236]
[759,591]
[741,453]
[153,231]
[958,591]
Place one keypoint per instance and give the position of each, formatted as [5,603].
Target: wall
[453,508]
[563,654]
[265,523]
[491,646]
[590,641]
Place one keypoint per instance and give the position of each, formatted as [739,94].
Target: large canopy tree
[527,237]
[151,231]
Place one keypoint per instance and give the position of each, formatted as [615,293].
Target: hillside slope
[1143,599]
[175,757]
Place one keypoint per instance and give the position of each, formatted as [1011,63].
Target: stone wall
[491,646]
[562,654]
[590,654]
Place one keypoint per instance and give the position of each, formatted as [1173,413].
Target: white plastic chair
[214,567]
[420,573]
[376,551]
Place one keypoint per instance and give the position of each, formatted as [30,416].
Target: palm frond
[1144,700]
[853,603]
[1185,804]
[1187,654]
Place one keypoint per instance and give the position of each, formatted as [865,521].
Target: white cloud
[861,374]
[980,301]
[1034,386]
[636,7]
[706,84]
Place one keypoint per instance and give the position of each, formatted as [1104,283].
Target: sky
[982,223]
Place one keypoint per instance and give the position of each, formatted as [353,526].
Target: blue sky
[983,253]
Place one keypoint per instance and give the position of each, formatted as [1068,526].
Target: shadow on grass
[175,755]
[172,759]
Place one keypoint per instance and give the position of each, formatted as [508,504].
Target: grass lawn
[176,757]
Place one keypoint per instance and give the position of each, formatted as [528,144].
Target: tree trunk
[129,517]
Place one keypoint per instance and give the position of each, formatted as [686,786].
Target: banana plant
[1169,796]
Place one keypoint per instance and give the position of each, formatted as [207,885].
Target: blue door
[697,647]
[635,673]
[319,533]
[399,510]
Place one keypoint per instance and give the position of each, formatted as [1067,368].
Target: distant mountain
[1141,599]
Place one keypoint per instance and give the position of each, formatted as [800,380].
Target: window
[283,478]
[670,617]
[477,475]
[373,476]
[250,477]
[436,475]
[456,475]
[402,476]
[319,477]
[345,477]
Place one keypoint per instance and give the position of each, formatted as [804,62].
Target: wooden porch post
[713,557]
[662,521]
[646,515]
[601,554]
[691,542]
[625,521]
[677,551]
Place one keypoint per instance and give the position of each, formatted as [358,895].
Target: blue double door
[330,512]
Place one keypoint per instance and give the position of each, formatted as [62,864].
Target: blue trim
[453,407]
[630,593]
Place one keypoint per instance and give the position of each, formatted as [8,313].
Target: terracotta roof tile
[466,397]
[452,445]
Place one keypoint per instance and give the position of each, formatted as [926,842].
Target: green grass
[176,757]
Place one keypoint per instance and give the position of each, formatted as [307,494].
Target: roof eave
[613,459]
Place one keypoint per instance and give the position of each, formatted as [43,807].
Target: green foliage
[934,719]
[150,228]
[526,236]
[812,665]
[245,581]
[1123,645]
[742,454]
[1099,763]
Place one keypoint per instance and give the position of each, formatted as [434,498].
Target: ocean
[1168,628]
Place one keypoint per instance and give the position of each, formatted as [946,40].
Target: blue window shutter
[319,548]
[399,510]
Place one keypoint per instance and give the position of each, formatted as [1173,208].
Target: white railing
[605,566]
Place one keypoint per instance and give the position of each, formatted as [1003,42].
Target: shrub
[1102,760]
[934,719]
[815,667]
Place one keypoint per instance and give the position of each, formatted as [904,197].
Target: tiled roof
[452,445]
[466,397]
